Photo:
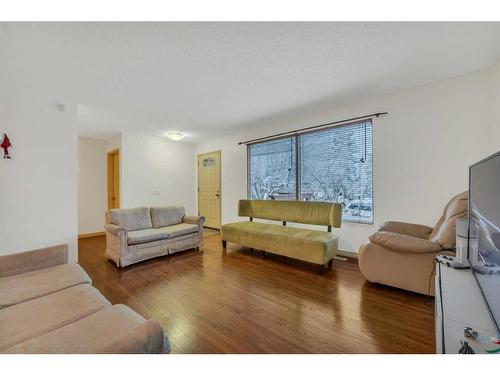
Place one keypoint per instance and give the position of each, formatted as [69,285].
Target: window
[273,169]
[333,165]
[208,162]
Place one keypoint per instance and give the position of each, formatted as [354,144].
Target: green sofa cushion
[305,244]
[316,213]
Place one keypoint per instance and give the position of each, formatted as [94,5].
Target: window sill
[358,222]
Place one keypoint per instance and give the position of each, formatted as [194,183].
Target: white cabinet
[459,304]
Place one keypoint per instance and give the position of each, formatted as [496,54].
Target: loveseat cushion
[145,235]
[305,244]
[178,230]
[27,286]
[113,329]
[41,315]
[165,216]
[131,218]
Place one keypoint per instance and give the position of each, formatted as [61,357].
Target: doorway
[209,193]
[114,179]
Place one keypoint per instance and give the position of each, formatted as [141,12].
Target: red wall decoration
[5,145]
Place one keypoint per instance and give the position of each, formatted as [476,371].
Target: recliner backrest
[444,231]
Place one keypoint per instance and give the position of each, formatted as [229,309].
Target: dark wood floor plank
[241,303]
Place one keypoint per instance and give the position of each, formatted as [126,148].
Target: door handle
[217,195]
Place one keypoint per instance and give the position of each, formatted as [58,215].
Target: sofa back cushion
[317,213]
[444,231]
[130,218]
[166,216]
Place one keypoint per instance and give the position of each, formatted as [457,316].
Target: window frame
[296,137]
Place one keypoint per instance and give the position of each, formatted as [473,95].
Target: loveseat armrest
[413,230]
[197,220]
[33,260]
[116,230]
[404,243]
[116,242]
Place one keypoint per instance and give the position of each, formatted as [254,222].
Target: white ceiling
[205,78]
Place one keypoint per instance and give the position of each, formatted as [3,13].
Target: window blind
[336,166]
[272,167]
[333,165]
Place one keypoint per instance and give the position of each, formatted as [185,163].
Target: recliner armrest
[197,220]
[413,230]
[116,230]
[404,243]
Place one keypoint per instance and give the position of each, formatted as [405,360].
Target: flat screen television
[484,231]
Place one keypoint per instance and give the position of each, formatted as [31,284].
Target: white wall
[92,185]
[3,99]
[421,149]
[153,171]
[38,186]
[114,143]
[496,73]
[156,171]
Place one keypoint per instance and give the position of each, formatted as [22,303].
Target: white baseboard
[347,254]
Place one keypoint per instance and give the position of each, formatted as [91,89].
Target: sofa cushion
[27,286]
[316,213]
[145,235]
[41,315]
[113,329]
[305,244]
[131,218]
[178,230]
[165,216]
[29,261]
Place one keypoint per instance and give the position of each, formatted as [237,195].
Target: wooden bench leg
[325,267]
[224,245]
[263,255]
[330,264]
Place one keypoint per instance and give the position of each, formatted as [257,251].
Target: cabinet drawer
[461,298]
[455,332]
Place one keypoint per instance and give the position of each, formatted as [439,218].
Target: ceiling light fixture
[175,136]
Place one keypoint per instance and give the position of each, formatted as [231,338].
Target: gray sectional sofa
[50,306]
[137,234]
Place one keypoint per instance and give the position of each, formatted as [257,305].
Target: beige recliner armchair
[402,254]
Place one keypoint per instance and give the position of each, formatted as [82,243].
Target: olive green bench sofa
[309,245]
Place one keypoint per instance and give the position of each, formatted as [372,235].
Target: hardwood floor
[240,303]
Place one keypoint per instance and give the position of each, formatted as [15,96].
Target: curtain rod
[378,114]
